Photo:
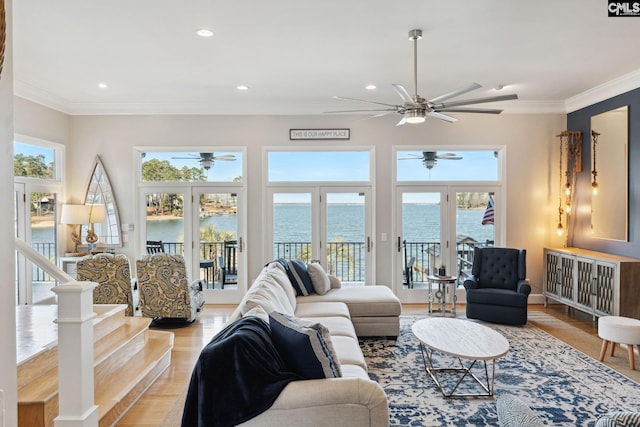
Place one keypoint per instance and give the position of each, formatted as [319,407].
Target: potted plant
[442,270]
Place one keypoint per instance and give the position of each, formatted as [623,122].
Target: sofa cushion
[306,348]
[334,282]
[348,351]
[336,325]
[279,275]
[366,301]
[322,309]
[319,278]
[512,412]
[301,279]
[266,293]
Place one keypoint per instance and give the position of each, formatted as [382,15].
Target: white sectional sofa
[347,312]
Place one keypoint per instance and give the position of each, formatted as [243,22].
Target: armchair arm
[524,287]
[471,283]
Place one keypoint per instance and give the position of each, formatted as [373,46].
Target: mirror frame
[100,191]
[612,127]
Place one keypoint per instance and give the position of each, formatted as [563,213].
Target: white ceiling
[295,55]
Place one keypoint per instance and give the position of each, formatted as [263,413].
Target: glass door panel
[474,225]
[420,244]
[42,225]
[164,221]
[347,238]
[218,238]
[292,225]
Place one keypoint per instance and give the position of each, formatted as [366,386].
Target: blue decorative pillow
[293,277]
[306,348]
[619,419]
[512,412]
[301,279]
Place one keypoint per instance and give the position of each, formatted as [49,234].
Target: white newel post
[75,355]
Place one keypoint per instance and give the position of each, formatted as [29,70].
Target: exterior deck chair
[165,290]
[155,247]
[228,263]
[408,272]
[113,276]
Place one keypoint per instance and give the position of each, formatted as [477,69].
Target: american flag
[487,218]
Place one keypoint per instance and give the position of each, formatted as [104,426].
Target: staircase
[128,358]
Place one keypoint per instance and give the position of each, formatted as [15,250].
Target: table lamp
[76,216]
[97,214]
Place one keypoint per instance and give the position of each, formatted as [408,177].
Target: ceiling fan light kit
[415,109]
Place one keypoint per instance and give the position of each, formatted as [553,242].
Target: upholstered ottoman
[617,329]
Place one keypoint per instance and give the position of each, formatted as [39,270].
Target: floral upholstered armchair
[165,291]
[113,276]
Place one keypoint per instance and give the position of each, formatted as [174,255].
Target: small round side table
[443,283]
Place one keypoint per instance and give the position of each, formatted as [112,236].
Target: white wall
[530,142]
[8,371]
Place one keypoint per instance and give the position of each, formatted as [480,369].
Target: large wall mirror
[100,194]
[609,207]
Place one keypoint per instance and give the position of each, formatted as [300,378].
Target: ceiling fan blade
[390,110]
[441,106]
[364,100]
[187,158]
[471,110]
[402,122]
[449,158]
[456,92]
[438,115]
[400,90]
[227,157]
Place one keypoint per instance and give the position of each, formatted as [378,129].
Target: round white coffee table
[461,339]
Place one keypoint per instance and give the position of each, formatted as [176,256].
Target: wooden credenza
[597,283]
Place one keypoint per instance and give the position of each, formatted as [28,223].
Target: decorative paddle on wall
[415,109]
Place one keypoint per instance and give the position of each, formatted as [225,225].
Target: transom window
[224,166]
[443,165]
[319,166]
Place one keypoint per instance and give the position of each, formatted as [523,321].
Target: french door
[206,225]
[329,223]
[438,227]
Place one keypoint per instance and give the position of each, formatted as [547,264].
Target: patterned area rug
[562,385]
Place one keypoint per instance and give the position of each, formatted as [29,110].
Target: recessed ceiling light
[499,87]
[103,85]
[204,32]
[370,87]
[242,87]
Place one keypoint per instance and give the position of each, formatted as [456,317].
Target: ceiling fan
[207,159]
[430,158]
[415,109]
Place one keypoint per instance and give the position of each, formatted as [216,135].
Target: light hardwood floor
[152,408]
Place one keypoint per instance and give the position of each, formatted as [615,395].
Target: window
[319,166]
[225,166]
[455,165]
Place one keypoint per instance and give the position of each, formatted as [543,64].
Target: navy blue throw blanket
[238,375]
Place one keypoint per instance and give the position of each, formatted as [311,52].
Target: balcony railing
[345,260]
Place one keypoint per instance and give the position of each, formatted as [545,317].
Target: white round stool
[617,329]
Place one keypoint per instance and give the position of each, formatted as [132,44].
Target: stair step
[116,396]
[128,358]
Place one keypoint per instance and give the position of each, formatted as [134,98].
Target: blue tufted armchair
[497,290]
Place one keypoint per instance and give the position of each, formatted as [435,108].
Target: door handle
[369,244]
[399,244]
[240,244]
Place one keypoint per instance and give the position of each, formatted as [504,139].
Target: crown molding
[39,96]
[604,91]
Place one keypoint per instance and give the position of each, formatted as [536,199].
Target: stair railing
[76,405]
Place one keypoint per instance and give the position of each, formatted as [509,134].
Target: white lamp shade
[75,214]
[97,214]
